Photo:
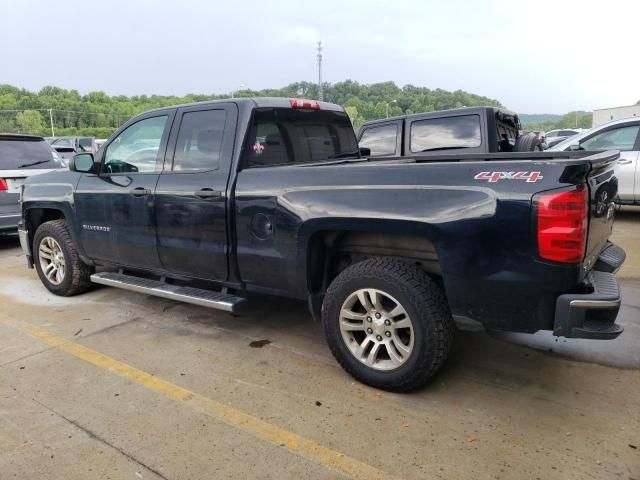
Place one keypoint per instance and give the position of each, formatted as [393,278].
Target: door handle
[208,193]
[624,161]
[140,192]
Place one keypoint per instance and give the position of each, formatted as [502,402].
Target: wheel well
[330,252]
[37,216]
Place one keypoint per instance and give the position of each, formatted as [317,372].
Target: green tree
[356,118]
[30,121]
[99,114]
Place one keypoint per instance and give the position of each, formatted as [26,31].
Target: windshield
[86,144]
[286,136]
[63,142]
[18,153]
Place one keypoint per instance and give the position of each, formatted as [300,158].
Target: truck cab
[461,130]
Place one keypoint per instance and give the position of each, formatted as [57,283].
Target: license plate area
[14,184]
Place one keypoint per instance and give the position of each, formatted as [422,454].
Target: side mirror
[365,151]
[574,146]
[82,162]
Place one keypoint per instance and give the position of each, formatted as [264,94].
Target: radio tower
[320,97]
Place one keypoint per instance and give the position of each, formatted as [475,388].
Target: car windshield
[63,142]
[17,153]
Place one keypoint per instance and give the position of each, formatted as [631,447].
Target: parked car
[553,137]
[464,130]
[79,144]
[21,156]
[206,202]
[622,135]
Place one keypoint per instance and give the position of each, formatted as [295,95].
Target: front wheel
[387,323]
[57,261]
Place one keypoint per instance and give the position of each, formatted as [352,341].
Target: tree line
[569,120]
[98,114]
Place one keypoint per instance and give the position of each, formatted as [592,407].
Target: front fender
[53,191]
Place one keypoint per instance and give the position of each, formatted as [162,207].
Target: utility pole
[320,96]
[51,120]
[387,105]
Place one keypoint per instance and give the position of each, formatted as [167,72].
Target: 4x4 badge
[492,177]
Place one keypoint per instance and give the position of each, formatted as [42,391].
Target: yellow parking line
[243,421]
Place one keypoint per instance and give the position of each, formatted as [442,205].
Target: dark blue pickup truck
[206,202]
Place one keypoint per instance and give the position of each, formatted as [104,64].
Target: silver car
[623,135]
[21,156]
[554,137]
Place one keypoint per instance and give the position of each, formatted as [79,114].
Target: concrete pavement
[498,410]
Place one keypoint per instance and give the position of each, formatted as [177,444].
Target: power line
[66,111]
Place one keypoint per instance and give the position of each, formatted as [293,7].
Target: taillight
[562,224]
[301,103]
[3,185]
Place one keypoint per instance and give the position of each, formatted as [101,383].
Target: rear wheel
[57,261]
[387,323]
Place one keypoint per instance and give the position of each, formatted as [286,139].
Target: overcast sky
[539,56]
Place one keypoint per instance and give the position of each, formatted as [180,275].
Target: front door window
[136,149]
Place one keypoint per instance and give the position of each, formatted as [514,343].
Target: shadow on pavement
[9,240]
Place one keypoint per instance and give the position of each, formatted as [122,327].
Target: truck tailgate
[603,188]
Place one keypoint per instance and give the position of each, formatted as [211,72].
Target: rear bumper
[592,315]
[9,222]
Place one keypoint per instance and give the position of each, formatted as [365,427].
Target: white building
[605,115]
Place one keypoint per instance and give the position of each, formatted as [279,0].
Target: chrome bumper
[26,246]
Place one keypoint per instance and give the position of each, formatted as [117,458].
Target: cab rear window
[445,133]
[281,136]
[21,153]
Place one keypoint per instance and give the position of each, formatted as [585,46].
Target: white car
[554,137]
[623,135]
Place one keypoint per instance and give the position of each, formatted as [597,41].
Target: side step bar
[197,296]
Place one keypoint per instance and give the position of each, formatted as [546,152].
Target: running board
[197,296]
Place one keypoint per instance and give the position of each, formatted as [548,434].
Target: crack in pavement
[25,357]
[111,327]
[97,437]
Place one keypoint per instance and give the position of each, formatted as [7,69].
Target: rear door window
[445,133]
[381,140]
[17,154]
[199,141]
[281,136]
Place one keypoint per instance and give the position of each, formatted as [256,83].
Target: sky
[534,57]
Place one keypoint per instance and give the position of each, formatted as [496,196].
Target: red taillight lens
[301,103]
[562,225]
[3,185]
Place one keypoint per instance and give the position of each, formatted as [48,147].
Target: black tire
[76,278]
[526,143]
[425,304]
